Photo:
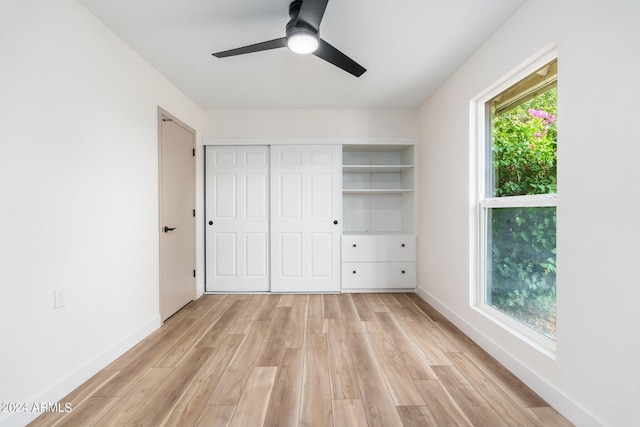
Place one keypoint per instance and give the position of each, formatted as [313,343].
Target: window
[516,204]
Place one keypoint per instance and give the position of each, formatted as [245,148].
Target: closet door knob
[403,272]
[354,245]
[354,272]
[210,222]
[335,222]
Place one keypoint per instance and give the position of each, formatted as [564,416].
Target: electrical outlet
[59,298]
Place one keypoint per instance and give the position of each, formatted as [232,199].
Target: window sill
[533,338]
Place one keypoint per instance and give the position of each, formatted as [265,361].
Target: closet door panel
[224,196]
[226,247]
[291,255]
[320,255]
[256,254]
[290,195]
[306,201]
[321,186]
[257,196]
[237,215]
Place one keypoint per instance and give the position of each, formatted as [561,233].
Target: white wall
[78,195]
[595,376]
[320,123]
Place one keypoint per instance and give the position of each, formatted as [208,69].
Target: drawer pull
[354,245]
[403,245]
[354,272]
[403,271]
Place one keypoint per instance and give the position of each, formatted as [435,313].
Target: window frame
[480,203]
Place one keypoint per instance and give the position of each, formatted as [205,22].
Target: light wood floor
[305,360]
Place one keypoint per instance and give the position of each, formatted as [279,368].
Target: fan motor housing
[296,26]
[294,7]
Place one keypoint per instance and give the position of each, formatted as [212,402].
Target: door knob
[167,229]
[335,222]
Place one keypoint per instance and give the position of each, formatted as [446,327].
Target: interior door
[306,211]
[177,223]
[237,215]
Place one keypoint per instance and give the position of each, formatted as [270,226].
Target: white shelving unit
[378,185]
[378,242]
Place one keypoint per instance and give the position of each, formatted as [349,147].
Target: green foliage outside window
[524,147]
[522,281]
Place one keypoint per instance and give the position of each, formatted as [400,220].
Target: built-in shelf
[377,233]
[376,191]
[375,168]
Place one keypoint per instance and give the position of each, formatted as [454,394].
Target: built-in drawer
[381,248]
[381,275]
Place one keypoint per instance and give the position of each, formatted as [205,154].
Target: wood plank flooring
[305,360]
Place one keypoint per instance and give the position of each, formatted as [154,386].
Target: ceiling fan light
[302,43]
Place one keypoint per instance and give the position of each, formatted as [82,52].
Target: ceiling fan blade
[311,12]
[271,44]
[339,59]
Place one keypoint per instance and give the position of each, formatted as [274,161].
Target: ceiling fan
[302,36]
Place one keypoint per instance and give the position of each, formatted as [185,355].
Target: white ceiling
[408,48]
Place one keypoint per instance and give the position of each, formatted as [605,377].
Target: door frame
[164,115]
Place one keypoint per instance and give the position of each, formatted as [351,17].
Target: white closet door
[237,215]
[306,193]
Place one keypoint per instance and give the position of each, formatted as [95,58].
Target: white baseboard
[67,384]
[377,290]
[569,408]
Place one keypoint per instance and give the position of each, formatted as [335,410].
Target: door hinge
[194,273]
[193,152]
[194,212]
